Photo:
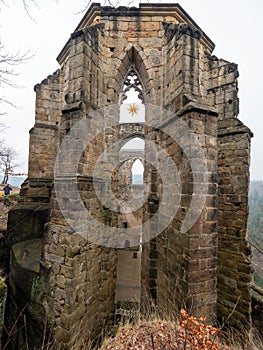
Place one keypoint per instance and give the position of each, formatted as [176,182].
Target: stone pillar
[182,265]
[182,72]
[234,269]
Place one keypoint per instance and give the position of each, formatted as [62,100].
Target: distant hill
[255,228]
[256,186]
[137,179]
[15,181]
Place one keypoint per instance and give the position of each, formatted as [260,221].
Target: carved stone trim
[177,30]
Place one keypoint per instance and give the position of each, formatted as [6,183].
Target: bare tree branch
[27,4]
[6,101]
[4,3]
[8,156]
[8,63]
[257,246]
[257,266]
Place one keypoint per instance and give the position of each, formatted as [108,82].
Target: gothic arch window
[137,172]
[132,85]
[132,108]
[131,158]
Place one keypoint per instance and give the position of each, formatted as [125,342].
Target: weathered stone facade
[64,282]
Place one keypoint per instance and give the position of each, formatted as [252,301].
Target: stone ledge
[188,108]
[27,254]
[72,107]
[77,178]
[43,126]
[237,127]
[199,108]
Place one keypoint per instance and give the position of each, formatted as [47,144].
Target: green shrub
[11,199]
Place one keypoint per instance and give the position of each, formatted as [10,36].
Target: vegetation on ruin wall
[153,333]
[3,295]
[255,229]
[187,333]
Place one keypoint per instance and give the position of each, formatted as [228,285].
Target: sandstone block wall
[234,269]
[205,268]
[182,266]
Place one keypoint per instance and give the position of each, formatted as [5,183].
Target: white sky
[236,27]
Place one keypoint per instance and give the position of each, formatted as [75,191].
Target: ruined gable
[200,259]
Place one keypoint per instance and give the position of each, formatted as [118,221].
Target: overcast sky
[235,26]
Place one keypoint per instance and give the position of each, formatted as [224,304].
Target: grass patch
[11,199]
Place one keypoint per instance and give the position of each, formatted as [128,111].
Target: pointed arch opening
[132,87]
[132,107]
[135,143]
[137,172]
[132,153]
[131,186]
[133,57]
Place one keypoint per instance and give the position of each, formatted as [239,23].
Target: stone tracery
[132,82]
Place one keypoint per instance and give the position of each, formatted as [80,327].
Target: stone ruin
[66,284]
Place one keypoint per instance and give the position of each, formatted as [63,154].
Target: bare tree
[8,62]
[29,3]
[26,3]
[8,157]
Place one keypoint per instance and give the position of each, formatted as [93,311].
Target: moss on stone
[2,283]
